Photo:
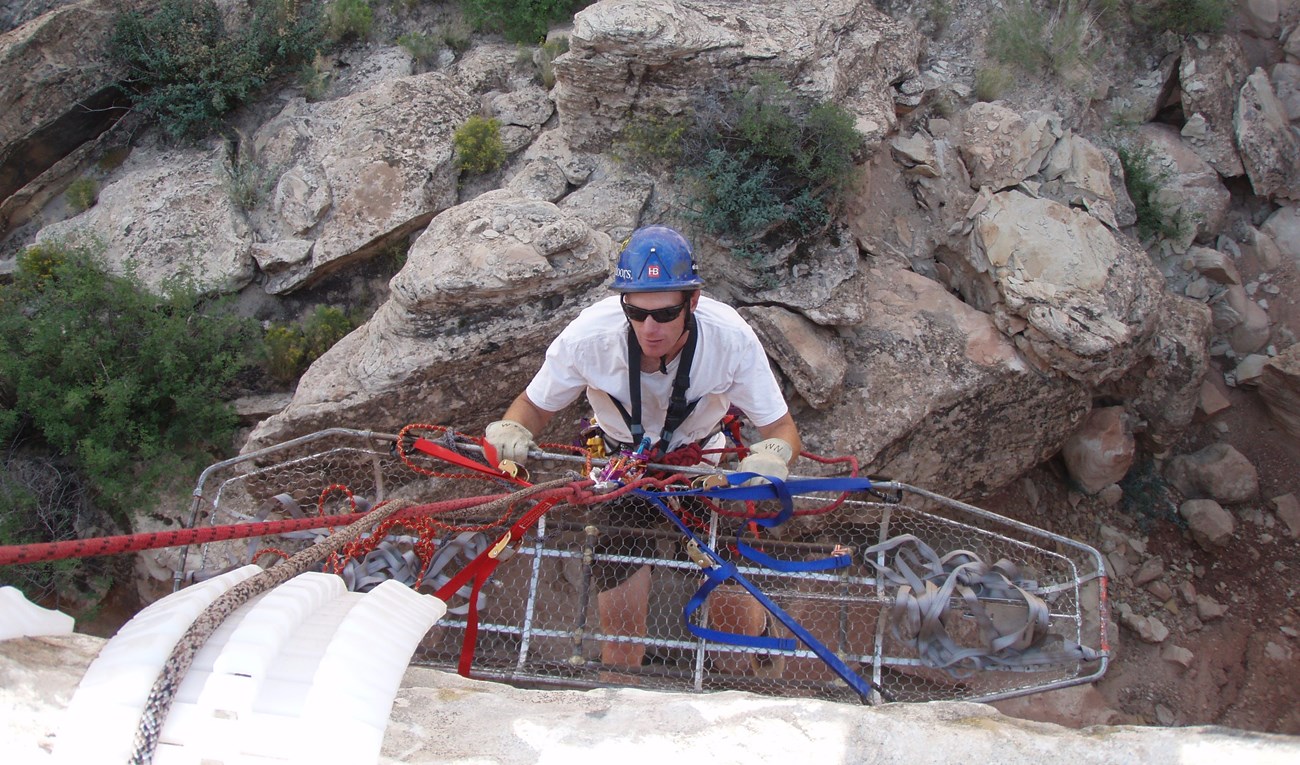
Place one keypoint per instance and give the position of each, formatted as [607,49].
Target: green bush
[186,70]
[126,382]
[82,194]
[521,21]
[650,141]
[1058,38]
[773,166]
[991,82]
[422,47]
[287,350]
[349,19]
[551,50]
[1144,183]
[478,145]
[1184,16]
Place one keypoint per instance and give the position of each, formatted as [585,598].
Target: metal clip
[711,481]
[501,544]
[698,556]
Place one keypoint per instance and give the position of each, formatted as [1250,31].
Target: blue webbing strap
[724,570]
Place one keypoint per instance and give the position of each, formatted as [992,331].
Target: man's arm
[784,429]
[523,411]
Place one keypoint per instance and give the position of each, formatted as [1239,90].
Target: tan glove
[511,440]
[770,458]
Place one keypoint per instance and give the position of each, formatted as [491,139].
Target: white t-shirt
[729,367]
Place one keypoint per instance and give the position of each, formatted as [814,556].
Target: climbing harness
[678,407]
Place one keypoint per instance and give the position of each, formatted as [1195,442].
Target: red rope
[11,555]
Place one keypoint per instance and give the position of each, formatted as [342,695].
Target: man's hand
[511,440]
[770,458]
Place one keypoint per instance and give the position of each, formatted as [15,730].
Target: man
[656,360]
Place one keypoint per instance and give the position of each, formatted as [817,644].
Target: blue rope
[724,570]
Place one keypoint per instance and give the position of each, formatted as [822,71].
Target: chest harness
[678,407]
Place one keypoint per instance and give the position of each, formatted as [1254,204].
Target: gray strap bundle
[468,545]
[923,608]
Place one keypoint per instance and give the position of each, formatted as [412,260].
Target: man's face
[658,338]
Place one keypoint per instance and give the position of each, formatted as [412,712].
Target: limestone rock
[632,59]
[1212,400]
[1286,86]
[488,285]
[1269,149]
[1207,608]
[54,67]
[359,171]
[1163,388]
[1217,471]
[1252,329]
[1077,299]
[1002,148]
[816,286]
[1283,228]
[1210,524]
[1192,189]
[1279,387]
[167,216]
[1149,629]
[932,383]
[1214,264]
[1152,569]
[1101,451]
[1079,173]
[810,356]
[1177,654]
[540,179]
[1211,73]
[612,204]
[1287,508]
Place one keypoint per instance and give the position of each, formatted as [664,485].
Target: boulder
[57,88]
[1269,149]
[1217,472]
[1287,507]
[809,356]
[1191,187]
[612,204]
[931,383]
[636,58]
[1283,228]
[1210,524]
[1214,264]
[1164,387]
[1078,173]
[1211,73]
[168,215]
[487,286]
[1101,451]
[1286,86]
[358,172]
[1249,326]
[1001,148]
[1279,387]
[1076,299]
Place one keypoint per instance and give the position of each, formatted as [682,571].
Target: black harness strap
[678,407]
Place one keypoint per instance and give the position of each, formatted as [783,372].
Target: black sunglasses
[660,315]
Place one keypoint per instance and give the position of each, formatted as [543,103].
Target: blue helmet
[656,259]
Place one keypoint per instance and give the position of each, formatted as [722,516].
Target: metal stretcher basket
[596,594]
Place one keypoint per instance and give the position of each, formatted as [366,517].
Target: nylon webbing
[678,407]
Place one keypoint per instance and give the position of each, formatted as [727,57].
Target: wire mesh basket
[601,593]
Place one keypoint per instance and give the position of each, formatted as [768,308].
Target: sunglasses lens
[660,315]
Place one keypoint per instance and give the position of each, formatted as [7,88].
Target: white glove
[770,458]
[511,440]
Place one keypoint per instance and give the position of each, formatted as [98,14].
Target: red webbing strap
[434,449]
[480,570]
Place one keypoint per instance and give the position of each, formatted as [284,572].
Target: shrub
[82,194]
[991,82]
[1144,184]
[774,165]
[42,503]
[246,183]
[349,19]
[521,21]
[1035,38]
[126,382]
[652,141]
[478,145]
[186,70]
[422,47]
[287,350]
[551,50]
[457,33]
[1184,16]
[315,77]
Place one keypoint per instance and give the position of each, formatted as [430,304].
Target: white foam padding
[304,673]
[19,617]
